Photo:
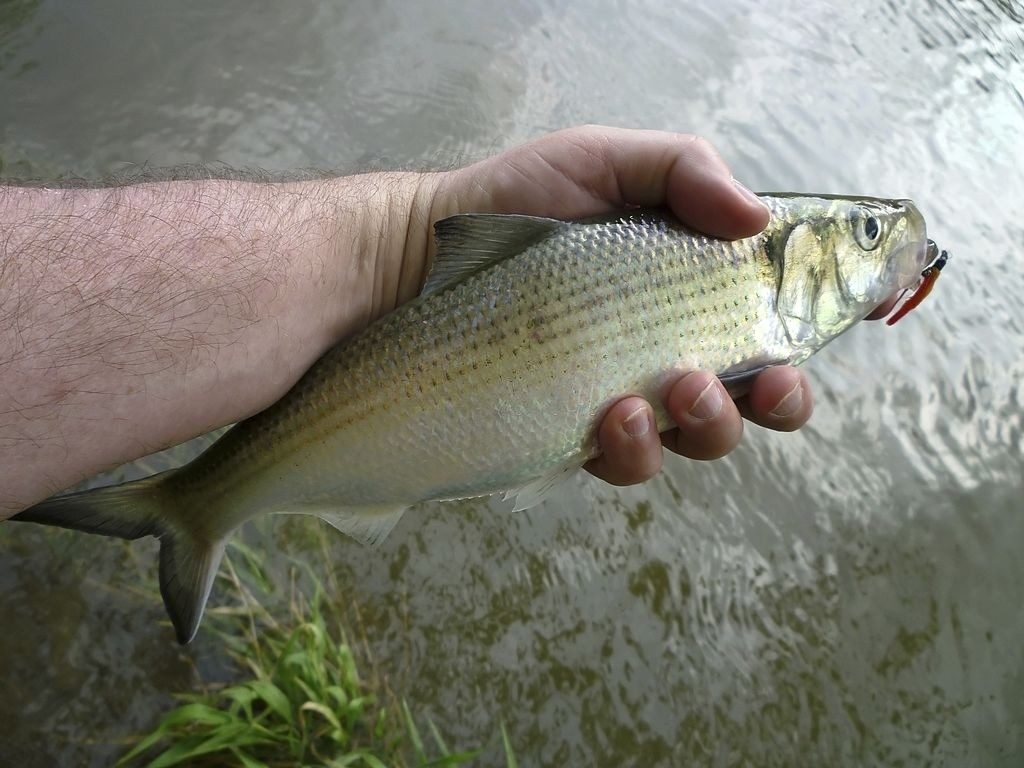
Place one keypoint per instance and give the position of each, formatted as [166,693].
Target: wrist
[380,249]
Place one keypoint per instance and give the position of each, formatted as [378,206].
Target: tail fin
[188,563]
[187,571]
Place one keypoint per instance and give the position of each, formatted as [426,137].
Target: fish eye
[867,229]
[871,227]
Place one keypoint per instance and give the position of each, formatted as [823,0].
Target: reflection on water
[845,595]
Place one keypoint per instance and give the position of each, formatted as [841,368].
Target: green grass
[301,700]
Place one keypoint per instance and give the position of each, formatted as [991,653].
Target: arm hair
[137,313]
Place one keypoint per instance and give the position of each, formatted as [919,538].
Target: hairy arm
[135,317]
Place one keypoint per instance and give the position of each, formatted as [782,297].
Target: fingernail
[750,196]
[791,403]
[637,424]
[709,402]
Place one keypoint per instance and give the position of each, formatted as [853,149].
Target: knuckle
[587,132]
[698,146]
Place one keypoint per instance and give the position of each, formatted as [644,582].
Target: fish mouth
[903,271]
[907,263]
[937,260]
[927,255]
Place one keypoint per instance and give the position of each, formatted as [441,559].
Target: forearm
[135,317]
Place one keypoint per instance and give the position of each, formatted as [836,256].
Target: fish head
[840,258]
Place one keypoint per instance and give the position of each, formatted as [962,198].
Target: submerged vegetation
[300,699]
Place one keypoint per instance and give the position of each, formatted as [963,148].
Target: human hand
[591,170]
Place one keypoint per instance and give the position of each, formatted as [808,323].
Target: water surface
[845,595]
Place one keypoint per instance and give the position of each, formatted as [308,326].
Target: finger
[780,399]
[684,171]
[703,193]
[615,167]
[630,447]
[709,425]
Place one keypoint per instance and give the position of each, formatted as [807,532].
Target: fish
[494,378]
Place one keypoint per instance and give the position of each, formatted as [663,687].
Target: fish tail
[188,562]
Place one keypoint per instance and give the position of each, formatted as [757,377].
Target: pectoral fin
[738,378]
[534,492]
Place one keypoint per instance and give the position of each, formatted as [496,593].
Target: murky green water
[846,595]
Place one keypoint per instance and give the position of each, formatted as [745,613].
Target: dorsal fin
[471,241]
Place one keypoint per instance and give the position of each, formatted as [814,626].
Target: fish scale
[495,378]
[594,312]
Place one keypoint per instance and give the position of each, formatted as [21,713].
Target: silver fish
[494,379]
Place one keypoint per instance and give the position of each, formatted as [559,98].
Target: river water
[846,595]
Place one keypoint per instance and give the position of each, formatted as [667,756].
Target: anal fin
[367,525]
